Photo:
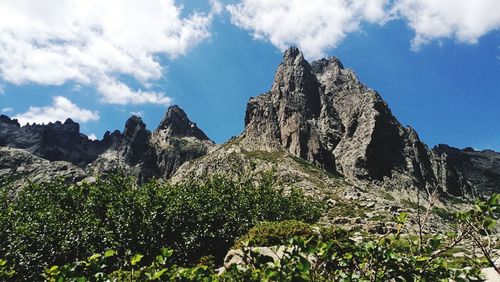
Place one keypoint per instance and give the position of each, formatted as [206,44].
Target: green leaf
[109,253]
[494,200]
[158,274]
[136,259]
[166,253]
[94,257]
[435,242]
[402,217]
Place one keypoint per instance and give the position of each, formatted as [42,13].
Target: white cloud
[317,25]
[116,92]
[92,136]
[61,109]
[463,20]
[7,110]
[55,41]
[313,25]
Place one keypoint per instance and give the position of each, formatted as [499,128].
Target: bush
[374,258]
[53,223]
[280,233]
[275,233]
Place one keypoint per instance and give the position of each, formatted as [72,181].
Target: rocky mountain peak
[6,120]
[134,126]
[72,126]
[176,123]
[330,64]
[321,113]
[136,140]
[293,56]
[295,85]
[287,116]
[55,141]
[332,75]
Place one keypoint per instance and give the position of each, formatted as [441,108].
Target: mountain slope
[317,116]
[321,113]
[136,151]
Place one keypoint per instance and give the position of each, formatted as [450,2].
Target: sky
[436,62]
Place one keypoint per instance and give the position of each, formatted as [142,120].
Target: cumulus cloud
[90,42]
[7,110]
[463,20]
[61,109]
[92,136]
[318,25]
[313,25]
[116,92]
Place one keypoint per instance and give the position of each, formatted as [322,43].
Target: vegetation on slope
[53,223]
[115,230]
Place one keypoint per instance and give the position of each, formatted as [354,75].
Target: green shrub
[280,233]
[53,223]
[275,233]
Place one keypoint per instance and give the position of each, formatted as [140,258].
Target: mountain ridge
[318,112]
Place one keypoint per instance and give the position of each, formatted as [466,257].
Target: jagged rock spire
[176,123]
[322,113]
[286,116]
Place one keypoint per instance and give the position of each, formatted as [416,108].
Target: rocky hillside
[317,126]
[323,114]
[40,149]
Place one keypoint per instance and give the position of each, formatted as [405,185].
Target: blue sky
[436,64]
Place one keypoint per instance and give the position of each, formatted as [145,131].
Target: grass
[444,213]
[310,168]
[413,205]
[343,209]
[264,155]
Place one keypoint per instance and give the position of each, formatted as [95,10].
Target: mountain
[323,114]
[317,128]
[135,151]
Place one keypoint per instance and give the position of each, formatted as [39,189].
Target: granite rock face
[294,115]
[466,171]
[158,154]
[316,112]
[322,113]
[54,141]
[21,166]
[180,140]
[136,151]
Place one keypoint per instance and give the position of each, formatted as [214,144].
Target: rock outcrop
[179,140]
[155,155]
[54,141]
[315,112]
[466,171]
[21,166]
[320,112]
[294,115]
[136,151]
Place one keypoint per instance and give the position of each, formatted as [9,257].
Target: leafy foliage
[300,259]
[338,257]
[120,229]
[280,233]
[53,223]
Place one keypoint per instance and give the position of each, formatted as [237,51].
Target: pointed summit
[287,115]
[176,123]
[293,56]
